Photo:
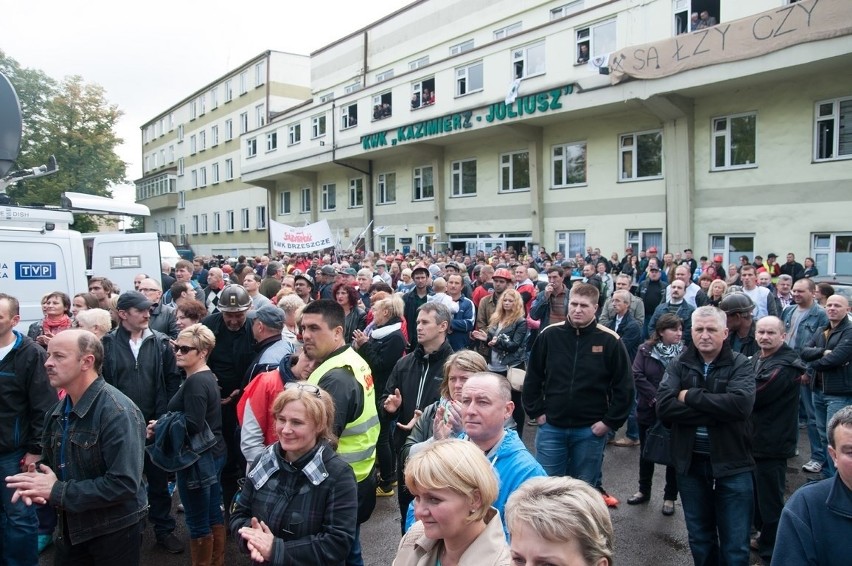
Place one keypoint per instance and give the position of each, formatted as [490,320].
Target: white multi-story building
[480,123]
[192,156]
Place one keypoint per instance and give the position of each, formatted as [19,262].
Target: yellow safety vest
[357,444]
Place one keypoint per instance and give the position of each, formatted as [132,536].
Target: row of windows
[294,135]
[198,105]
[200,225]
[155,187]
[198,176]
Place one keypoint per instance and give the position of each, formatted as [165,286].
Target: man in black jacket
[578,387]
[25,398]
[707,395]
[414,299]
[414,383]
[775,433]
[140,363]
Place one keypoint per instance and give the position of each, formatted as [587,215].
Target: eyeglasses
[301,386]
[183,349]
[147,290]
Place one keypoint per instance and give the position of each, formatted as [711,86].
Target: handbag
[516,378]
[658,445]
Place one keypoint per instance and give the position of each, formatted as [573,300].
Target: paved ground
[644,536]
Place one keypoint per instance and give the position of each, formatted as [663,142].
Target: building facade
[192,157]
[471,124]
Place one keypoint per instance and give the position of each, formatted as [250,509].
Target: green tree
[73,121]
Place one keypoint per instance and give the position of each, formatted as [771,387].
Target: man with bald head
[96,486]
[163,317]
[682,273]
[216,283]
[830,357]
[775,433]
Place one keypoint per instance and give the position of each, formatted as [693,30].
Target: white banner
[290,239]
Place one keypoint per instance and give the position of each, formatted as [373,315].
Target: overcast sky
[149,55]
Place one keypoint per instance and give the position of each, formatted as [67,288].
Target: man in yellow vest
[348,378]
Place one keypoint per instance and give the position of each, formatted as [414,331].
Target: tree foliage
[73,121]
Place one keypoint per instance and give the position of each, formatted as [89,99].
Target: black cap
[133,299]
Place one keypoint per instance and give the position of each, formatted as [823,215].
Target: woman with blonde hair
[381,348]
[454,488]
[299,504]
[714,294]
[200,402]
[559,517]
[505,337]
[96,320]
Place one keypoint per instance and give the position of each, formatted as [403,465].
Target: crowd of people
[281,396]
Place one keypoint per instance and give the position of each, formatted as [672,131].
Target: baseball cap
[348,271]
[382,263]
[133,300]
[452,265]
[718,258]
[328,270]
[770,255]
[269,315]
[653,249]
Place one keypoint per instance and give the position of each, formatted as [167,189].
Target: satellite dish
[10,125]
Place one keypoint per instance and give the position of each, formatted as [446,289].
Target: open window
[423,93]
[382,106]
[692,15]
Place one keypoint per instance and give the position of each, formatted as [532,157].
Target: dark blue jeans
[718,513]
[574,452]
[824,408]
[201,506]
[806,400]
[18,523]
[159,499]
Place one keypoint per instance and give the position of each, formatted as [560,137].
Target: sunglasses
[183,349]
[306,387]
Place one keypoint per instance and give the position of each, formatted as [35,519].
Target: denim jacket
[174,449]
[99,469]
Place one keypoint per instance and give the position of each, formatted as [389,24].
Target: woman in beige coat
[454,488]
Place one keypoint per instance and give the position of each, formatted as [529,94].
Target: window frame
[417,90]
[726,248]
[379,99]
[726,135]
[383,188]
[229,169]
[294,133]
[522,62]
[634,148]
[356,192]
[563,243]
[466,71]
[214,135]
[590,39]
[229,130]
[285,199]
[418,63]
[457,178]
[346,120]
[508,31]
[328,197]
[229,90]
[462,47]
[251,147]
[214,173]
[229,220]
[217,222]
[245,219]
[318,122]
[837,126]
[566,10]
[243,82]
[418,174]
[564,147]
[260,217]
[244,123]
[305,200]
[510,166]
[271,141]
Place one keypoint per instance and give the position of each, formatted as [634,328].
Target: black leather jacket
[722,402]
